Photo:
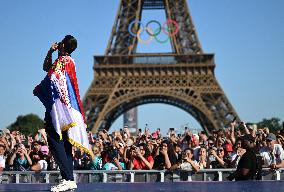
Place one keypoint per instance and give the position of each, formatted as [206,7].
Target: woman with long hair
[202,163]
[165,156]
[141,158]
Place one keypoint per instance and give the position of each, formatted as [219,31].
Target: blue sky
[246,36]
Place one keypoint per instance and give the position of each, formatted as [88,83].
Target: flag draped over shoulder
[59,93]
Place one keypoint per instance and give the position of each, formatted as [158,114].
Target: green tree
[27,124]
[273,124]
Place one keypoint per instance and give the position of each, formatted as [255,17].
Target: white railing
[91,176]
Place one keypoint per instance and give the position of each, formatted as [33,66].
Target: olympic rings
[130,27]
[166,28]
[162,41]
[159,29]
[144,41]
[167,23]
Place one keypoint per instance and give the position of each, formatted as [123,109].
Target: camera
[211,157]
[113,153]
[188,138]
[133,147]
[19,146]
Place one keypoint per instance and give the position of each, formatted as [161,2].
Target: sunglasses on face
[186,153]
[210,143]
[220,150]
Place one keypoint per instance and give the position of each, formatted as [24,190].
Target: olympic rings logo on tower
[170,28]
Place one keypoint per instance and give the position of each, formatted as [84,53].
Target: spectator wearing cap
[45,150]
[273,154]
[228,154]
[247,166]
[42,163]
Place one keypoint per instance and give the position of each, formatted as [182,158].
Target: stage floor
[244,186]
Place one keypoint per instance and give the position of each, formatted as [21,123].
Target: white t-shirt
[237,158]
[43,165]
[2,161]
[274,157]
[187,165]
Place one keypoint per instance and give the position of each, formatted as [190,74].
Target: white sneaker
[64,186]
[54,188]
[72,185]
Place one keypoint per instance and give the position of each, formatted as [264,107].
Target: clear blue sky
[247,37]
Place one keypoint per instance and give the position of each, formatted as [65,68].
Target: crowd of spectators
[119,150]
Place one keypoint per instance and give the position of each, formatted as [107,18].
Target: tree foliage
[27,124]
[273,124]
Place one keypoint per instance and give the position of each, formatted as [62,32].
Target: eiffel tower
[124,79]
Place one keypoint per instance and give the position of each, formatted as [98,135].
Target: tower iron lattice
[124,79]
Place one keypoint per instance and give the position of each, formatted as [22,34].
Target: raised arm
[233,138]
[48,59]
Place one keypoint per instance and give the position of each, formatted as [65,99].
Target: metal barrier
[95,176]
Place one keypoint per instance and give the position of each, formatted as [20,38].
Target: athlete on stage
[64,117]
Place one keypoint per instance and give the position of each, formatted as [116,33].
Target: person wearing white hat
[273,154]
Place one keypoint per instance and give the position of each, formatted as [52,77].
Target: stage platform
[201,186]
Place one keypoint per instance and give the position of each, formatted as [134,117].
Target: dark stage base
[202,186]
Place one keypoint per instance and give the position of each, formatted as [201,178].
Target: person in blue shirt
[111,161]
[20,159]
[96,162]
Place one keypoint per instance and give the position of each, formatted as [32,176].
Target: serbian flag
[59,93]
